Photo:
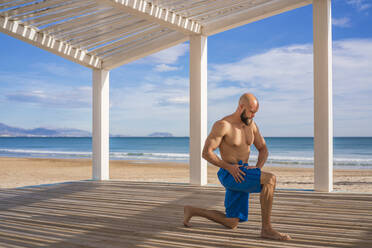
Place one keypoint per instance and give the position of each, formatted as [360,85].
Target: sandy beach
[19,172]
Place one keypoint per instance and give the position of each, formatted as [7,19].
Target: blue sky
[271,58]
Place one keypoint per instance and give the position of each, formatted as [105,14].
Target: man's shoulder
[222,126]
[224,122]
[254,126]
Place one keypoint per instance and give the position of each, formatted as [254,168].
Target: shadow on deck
[138,214]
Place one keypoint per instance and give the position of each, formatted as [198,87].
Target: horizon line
[124,136]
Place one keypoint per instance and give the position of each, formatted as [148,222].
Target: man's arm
[260,144]
[214,139]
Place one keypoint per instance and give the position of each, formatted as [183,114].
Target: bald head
[248,100]
[248,106]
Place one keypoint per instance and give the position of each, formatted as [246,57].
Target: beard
[247,121]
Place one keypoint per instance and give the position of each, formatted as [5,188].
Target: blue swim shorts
[237,194]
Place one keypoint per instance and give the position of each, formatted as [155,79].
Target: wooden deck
[137,214]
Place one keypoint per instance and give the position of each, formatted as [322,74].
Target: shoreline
[157,161]
[21,172]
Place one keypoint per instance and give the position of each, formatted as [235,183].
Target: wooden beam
[154,46]
[48,43]
[153,13]
[249,15]
[323,120]
[198,108]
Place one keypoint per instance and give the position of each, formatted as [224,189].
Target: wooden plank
[72,30]
[96,42]
[94,30]
[111,36]
[10,4]
[108,48]
[46,42]
[80,27]
[225,10]
[181,6]
[55,16]
[135,41]
[106,38]
[214,7]
[153,13]
[44,12]
[36,6]
[251,14]
[153,47]
[134,214]
[100,16]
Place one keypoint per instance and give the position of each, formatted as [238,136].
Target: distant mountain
[8,131]
[160,134]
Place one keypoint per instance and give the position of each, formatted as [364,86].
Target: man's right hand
[236,172]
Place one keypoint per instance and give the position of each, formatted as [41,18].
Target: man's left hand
[250,167]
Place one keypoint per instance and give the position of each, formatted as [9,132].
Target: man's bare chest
[239,137]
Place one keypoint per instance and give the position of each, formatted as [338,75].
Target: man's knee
[233,223]
[268,178]
[273,179]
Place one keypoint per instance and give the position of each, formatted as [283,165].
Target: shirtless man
[234,134]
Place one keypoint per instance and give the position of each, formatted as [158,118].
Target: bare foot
[272,234]
[187,215]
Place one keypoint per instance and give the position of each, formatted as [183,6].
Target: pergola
[106,34]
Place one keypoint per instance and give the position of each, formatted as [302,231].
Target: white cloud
[282,78]
[360,4]
[165,68]
[156,104]
[268,70]
[167,56]
[75,97]
[166,60]
[174,100]
[61,70]
[341,22]
[219,93]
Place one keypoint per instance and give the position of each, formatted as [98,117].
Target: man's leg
[268,181]
[213,215]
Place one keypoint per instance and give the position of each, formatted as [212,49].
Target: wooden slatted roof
[109,33]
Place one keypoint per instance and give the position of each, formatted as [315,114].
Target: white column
[100,130]
[323,120]
[198,108]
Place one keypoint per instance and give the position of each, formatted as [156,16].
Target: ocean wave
[25,151]
[79,154]
[337,161]
[150,156]
[182,157]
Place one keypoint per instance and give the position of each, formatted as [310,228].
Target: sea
[349,152]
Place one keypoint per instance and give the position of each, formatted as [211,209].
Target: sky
[272,58]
